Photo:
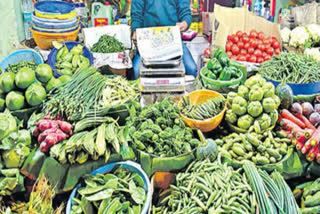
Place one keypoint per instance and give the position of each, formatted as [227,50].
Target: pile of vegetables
[308,195]
[254,107]
[261,149]
[302,121]
[211,108]
[296,68]
[119,191]
[14,68]
[221,68]
[19,90]
[301,36]
[159,130]
[95,143]
[107,44]
[40,201]
[255,47]
[272,192]
[88,94]
[208,187]
[10,182]
[67,62]
[49,132]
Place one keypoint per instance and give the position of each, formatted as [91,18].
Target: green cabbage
[8,124]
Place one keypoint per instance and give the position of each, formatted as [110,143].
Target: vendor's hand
[183,26]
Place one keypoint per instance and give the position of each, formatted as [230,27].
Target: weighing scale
[158,79]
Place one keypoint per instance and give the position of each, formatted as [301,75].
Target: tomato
[277,51]
[267,46]
[248,57]
[253,43]
[259,42]
[235,39]
[240,45]
[251,50]
[229,38]
[241,58]
[261,47]
[266,42]
[253,34]
[253,59]
[261,35]
[257,53]
[228,46]
[270,50]
[239,33]
[276,45]
[245,35]
[247,46]
[274,39]
[266,58]
[243,51]
[245,39]
[264,54]
[235,49]
[234,57]
[260,60]
[229,53]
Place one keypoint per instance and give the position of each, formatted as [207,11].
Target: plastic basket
[44,40]
[132,166]
[54,25]
[21,55]
[54,7]
[45,30]
[53,21]
[198,97]
[52,58]
[71,15]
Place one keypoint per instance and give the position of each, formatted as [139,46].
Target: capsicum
[223,59]
[225,74]
[214,65]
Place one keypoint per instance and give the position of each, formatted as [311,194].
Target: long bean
[295,67]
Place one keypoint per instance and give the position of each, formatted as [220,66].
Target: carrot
[315,137]
[313,152]
[299,146]
[287,114]
[306,122]
[303,133]
[289,125]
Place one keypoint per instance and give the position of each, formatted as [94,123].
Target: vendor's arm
[137,7]
[184,14]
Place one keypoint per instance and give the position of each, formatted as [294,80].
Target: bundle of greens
[159,130]
[208,187]
[211,108]
[107,44]
[88,93]
[119,191]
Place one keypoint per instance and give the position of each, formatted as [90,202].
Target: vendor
[153,13]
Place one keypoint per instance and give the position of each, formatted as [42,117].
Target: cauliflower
[314,31]
[313,52]
[285,34]
[299,36]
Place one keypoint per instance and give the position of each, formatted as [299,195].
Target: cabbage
[8,124]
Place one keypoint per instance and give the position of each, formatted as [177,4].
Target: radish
[307,109]
[296,109]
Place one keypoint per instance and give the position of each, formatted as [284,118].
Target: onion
[314,118]
[317,108]
[296,109]
[307,109]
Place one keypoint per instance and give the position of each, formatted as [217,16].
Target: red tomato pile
[255,47]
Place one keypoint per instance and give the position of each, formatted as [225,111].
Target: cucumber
[284,92]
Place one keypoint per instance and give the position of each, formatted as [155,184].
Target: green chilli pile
[107,44]
[119,191]
[207,187]
[211,108]
[254,107]
[159,130]
[261,149]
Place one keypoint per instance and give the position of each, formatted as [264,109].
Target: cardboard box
[229,20]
